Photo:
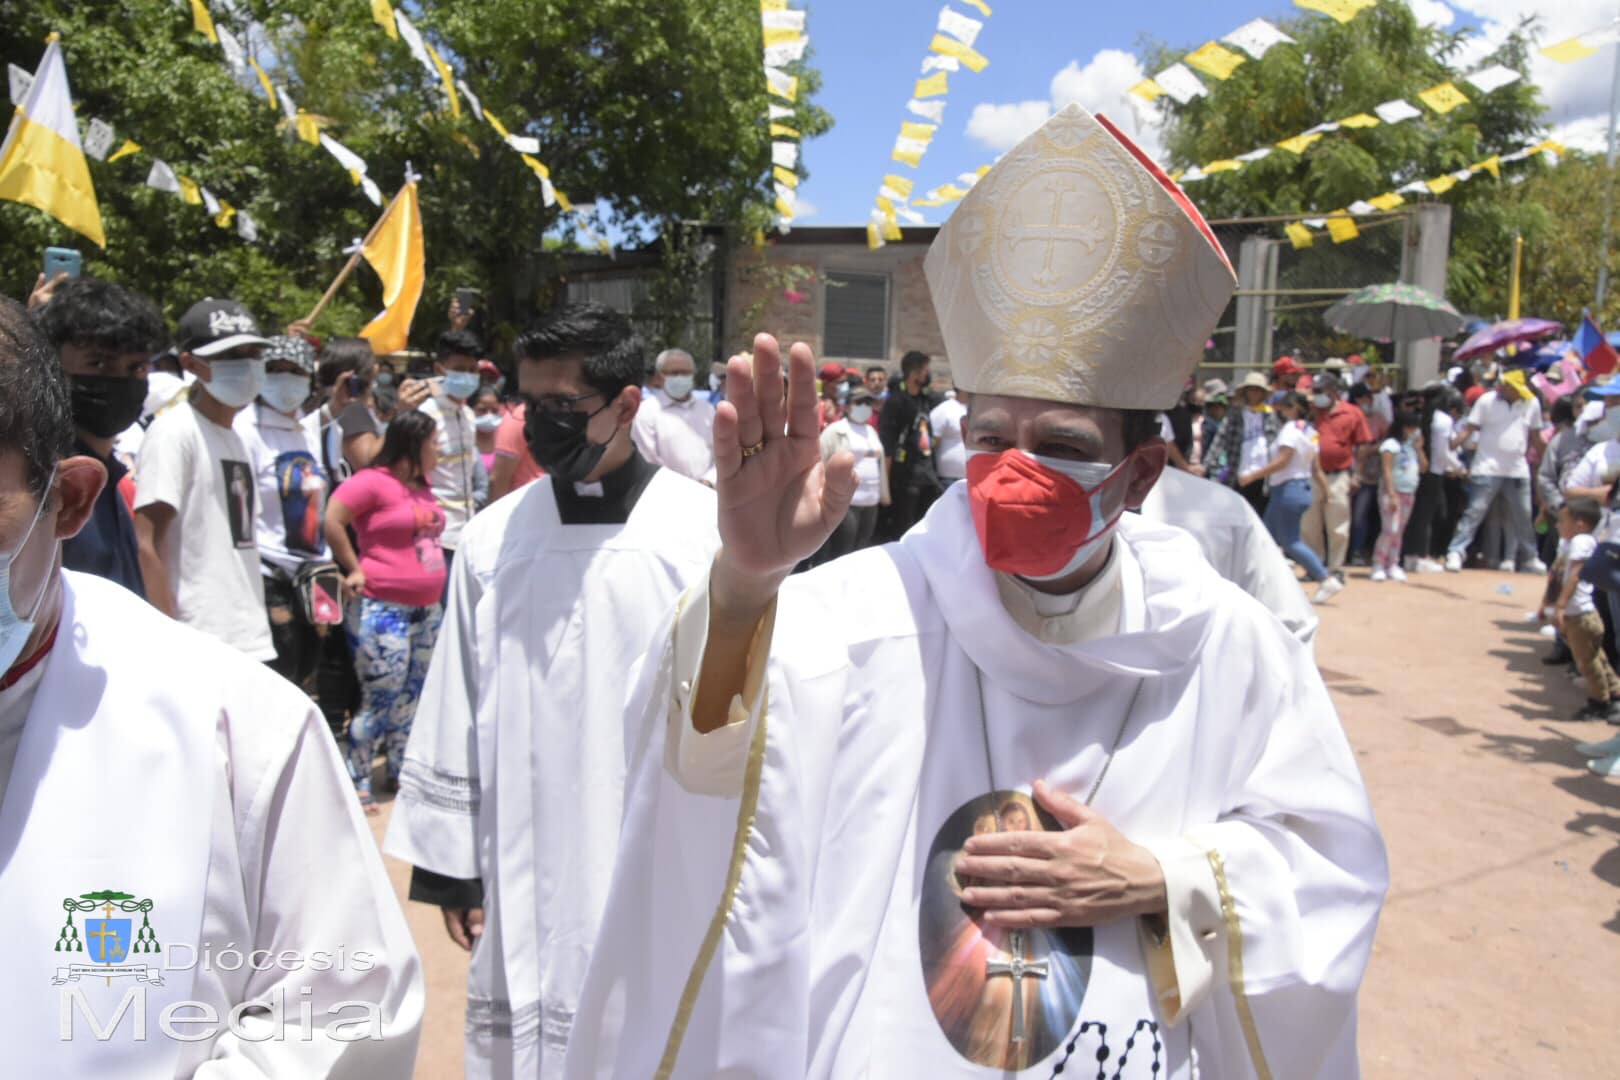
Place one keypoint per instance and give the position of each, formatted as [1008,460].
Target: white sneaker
[1548,631]
[1378,574]
[1329,589]
[1430,566]
[1534,566]
[1453,563]
[1505,566]
[1605,766]
[1397,574]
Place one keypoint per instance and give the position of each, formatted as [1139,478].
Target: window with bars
[857,316]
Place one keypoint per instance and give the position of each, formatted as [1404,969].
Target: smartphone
[468,299]
[62,261]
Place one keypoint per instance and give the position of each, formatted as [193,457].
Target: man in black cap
[105,336]
[194,488]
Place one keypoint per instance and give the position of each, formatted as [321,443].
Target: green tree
[653,110]
[1562,213]
[1339,70]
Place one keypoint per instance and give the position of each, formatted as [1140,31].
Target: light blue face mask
[14,628]
[461,385]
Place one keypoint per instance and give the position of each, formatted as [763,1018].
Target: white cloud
[805,209]
[1099,85]
[1432,12]
[1002,127]
[1573,92]
[1590,133]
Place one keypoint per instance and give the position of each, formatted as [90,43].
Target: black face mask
[559,443]
[105,405]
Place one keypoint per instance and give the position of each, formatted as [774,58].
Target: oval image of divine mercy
[973,972]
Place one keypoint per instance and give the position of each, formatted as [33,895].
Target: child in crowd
[1575,613]
[1402,462]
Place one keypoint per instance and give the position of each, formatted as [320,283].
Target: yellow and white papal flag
[42,161]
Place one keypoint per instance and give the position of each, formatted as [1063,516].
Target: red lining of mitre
[1169,185]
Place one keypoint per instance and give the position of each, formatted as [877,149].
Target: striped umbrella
[1394,312]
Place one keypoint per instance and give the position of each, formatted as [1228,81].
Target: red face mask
[1033,520]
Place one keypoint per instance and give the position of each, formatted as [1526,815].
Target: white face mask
[860,414]
[678,387]
[15,627]
[488,422]
[1321,401]
[235,383]
[284,391]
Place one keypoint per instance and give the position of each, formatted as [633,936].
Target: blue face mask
[15,628]
[461,384]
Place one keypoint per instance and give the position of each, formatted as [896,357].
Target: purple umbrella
[1503,334]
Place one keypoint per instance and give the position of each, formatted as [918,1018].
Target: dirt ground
[1499,951]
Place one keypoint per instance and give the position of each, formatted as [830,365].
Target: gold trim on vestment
[717,925]
[1234,962]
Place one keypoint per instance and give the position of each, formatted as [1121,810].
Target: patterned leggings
[1397,511]
[392,646]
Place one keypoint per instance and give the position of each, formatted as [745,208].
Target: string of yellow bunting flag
[782,31]
[950,50]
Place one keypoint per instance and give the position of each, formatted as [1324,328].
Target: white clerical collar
[1090,612]
[591,490]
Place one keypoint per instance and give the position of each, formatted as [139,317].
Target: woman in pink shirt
[397,577]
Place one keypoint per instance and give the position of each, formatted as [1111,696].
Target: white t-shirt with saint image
[203,471]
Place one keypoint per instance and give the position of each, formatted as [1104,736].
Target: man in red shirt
[1341,431]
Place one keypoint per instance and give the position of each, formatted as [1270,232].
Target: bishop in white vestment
[1032,792]
[513,783]
[189,886]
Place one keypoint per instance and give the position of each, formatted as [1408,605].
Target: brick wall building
[819,285]
[824,286]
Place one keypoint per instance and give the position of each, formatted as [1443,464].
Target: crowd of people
[1347,471]
[303,500]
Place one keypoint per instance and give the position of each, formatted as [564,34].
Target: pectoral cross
[1017,968]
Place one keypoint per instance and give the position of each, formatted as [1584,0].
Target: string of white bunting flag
[951,50]
[782,31]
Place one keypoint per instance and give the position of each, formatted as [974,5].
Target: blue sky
[870,52]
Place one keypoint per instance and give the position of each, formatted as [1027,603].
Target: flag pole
[348,267]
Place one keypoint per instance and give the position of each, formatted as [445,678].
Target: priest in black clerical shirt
[513,783]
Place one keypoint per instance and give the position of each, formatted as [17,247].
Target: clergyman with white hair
[675,427]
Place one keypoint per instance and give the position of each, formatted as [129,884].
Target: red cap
[488,370]
[855,371]
[1286,365]
[1473,393]
[830,372]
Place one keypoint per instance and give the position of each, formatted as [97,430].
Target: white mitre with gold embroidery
[1076,271]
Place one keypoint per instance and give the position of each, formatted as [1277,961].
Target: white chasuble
[515,769]
[785,905]
[178,838]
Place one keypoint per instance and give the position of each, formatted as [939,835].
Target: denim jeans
[1288,504]
[1521,534]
